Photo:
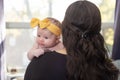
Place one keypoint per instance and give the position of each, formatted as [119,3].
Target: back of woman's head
[87,55]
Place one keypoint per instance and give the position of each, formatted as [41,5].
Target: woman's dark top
[50,66]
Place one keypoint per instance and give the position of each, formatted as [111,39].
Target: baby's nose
[41,40]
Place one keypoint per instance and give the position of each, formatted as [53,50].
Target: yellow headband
[46,24]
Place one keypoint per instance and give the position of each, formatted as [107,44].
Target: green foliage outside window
[107,8]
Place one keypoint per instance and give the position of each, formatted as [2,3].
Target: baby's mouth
[42,45]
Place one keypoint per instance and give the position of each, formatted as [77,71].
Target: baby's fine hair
[55,22]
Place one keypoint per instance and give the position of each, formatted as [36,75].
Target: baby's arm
[35,51]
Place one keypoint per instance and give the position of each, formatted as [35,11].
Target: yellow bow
[46,24]
[34,22]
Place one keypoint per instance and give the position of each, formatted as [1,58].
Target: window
[18,13]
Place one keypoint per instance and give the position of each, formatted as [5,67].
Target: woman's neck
[62,51]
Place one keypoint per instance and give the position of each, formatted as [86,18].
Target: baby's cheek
[38,42]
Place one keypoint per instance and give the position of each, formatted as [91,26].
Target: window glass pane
[107,8]
[108,34]
[18,42]
[24,10]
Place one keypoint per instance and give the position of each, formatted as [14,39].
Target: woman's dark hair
[87,57]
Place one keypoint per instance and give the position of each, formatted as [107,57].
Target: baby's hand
[46,50]
[38,52]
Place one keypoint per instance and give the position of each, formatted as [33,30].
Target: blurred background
[20,37]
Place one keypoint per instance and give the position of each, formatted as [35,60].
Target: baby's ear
[58,39]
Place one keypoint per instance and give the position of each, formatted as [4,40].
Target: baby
[48,37]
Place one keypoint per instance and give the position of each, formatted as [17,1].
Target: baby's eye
[46,37]
[38,35]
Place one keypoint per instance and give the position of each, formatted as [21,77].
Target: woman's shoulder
[54,54]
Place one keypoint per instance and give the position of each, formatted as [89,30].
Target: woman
[87,57]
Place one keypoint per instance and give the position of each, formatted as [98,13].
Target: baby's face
[46,39]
